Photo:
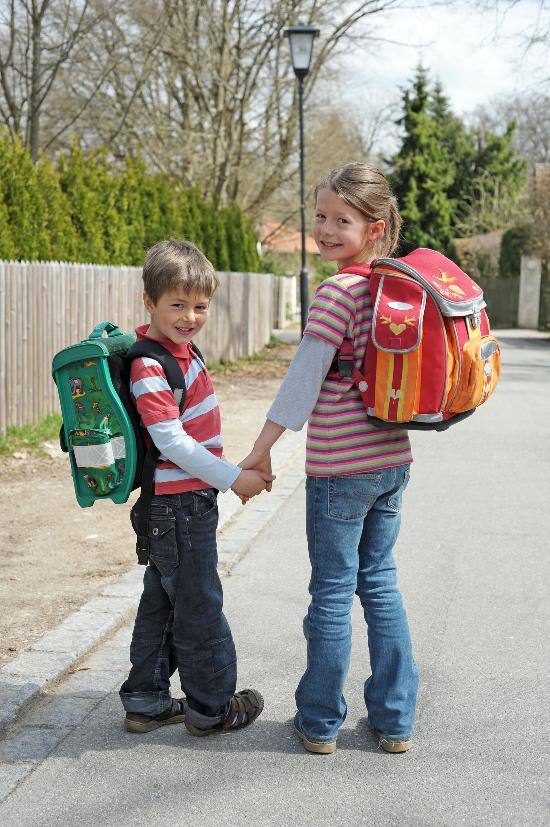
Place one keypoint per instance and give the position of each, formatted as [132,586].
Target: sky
[475,55]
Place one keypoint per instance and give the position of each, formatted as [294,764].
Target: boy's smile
[177,315]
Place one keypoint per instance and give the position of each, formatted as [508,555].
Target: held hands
[249,483]
[258,461]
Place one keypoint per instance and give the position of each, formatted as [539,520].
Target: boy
[180,623]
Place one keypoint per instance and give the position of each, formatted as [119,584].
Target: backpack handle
[99,330]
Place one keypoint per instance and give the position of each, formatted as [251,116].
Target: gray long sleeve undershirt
[299,392]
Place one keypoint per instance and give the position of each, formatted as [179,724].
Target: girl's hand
[251,482]
[258,460]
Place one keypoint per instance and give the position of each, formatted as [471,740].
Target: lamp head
[301,47]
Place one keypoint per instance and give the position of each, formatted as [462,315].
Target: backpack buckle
[475,319]
[345,359]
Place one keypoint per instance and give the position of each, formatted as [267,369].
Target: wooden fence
[45,306]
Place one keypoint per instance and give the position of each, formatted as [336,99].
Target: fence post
[529,292]
[3,377]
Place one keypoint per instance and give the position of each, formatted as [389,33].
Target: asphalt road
[473,558]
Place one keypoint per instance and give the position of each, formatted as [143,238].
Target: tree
[60,238]
[23,199]
[37,39]
[423,172]
[498,177]
[530,111]
[204,91]
[450,180]
[78,181]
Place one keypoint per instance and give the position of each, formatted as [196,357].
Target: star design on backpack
[448,282]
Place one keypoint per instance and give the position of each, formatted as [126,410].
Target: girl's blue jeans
[352,525]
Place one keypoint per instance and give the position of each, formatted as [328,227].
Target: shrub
[515,242]
[88,210]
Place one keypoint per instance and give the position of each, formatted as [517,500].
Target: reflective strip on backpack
[94,456]
[119,447]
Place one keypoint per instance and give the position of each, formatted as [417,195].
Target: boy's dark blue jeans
[180,623]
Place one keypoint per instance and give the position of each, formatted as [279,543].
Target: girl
[356,475]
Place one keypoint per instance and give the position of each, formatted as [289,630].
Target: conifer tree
[197,217]
[234,233]
[252,259]
[498,183]
[77,181]
[23,200]
[113,207]
[87,210]
[422,173]
[151,212]
[130,195]
[460,149]
[61,238]
[7,247]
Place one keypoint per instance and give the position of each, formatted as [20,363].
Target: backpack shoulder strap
[176,380]
[197,351]
[168,362]
[343,360]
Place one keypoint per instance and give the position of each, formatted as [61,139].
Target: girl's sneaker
[244,707]
[175,714]
[391,743]
[318,747]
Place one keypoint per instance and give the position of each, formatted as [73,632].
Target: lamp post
[301,48]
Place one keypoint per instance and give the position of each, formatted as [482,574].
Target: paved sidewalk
[474,566]
[53,654]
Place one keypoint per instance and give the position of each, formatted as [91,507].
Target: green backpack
[101,428]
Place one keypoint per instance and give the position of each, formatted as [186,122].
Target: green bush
[515,242]
[88,210]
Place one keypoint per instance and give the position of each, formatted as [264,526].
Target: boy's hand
[259,461]
[250,483]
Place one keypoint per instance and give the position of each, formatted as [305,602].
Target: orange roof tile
[282,239]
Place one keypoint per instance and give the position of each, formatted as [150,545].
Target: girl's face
[342,233]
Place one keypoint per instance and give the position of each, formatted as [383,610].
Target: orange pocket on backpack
[479,375]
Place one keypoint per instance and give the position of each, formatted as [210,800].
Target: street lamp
[301,48]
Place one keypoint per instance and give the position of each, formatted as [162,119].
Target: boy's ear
[148,302]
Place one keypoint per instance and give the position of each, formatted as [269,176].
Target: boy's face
[177,315]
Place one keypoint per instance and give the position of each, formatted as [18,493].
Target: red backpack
[430,359]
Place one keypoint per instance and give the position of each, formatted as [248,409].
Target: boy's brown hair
[171,265]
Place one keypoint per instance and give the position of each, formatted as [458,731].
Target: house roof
[280,238]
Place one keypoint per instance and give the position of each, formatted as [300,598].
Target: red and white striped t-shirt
[155,402]
[340,439]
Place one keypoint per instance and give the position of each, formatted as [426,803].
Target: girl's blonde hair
[366,189]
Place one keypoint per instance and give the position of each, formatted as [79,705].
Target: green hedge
[87,210]
[516,241]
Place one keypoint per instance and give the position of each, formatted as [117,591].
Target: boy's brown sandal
[175,714]
[244,708]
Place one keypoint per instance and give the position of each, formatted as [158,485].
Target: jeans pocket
[351,497]
[396,497]
[163,547]
[204,501]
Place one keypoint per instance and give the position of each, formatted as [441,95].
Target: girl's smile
[342,233]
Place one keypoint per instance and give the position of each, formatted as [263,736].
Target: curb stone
[52,655]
